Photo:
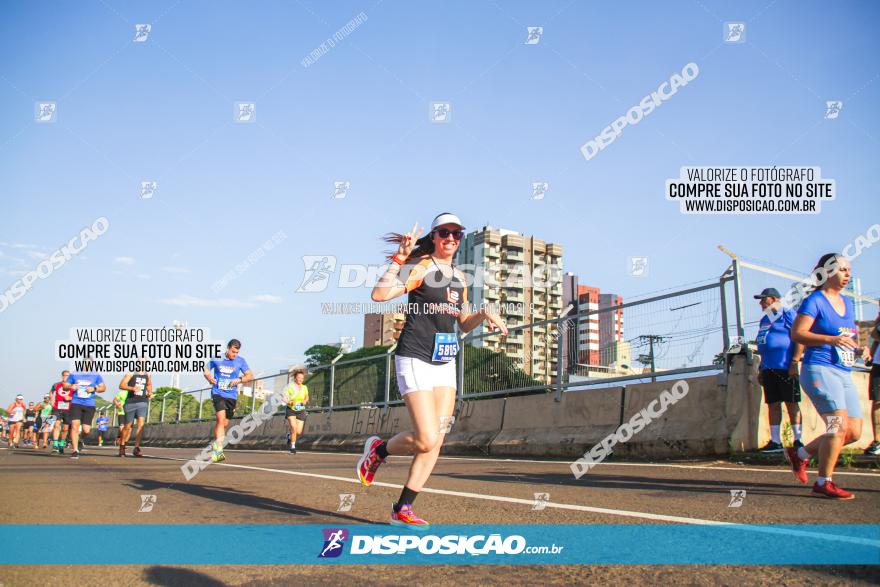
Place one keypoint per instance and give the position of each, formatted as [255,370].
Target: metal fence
[665,335]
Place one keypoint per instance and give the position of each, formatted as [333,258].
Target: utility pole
[649,358]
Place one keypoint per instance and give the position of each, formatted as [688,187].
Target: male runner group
[68,410]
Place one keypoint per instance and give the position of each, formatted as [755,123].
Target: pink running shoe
[406,517]
[370,461]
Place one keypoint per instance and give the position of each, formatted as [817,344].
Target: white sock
[796,428]
[774,434]
[821,480]
[803,454]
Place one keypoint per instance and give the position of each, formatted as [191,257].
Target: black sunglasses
[445,232]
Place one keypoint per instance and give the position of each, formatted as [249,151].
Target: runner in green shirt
[119,403]
[297,398]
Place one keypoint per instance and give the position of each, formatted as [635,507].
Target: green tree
[320,354]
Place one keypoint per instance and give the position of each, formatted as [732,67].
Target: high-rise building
[588,326]
[524,275]
[610,329]
[382,329]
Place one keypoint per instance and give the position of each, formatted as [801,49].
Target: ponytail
[424,246]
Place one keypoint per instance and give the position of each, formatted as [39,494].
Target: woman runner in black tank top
[425,355]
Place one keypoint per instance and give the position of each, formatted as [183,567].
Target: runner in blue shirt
[780,357]
[225,375]
[101,424]
[85,385]
[827,328]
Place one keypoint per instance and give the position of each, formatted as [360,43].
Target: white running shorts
[417,375]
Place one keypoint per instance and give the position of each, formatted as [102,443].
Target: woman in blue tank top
[826,326]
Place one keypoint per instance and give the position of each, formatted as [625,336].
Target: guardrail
[675,333]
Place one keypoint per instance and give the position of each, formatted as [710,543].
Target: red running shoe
[370,461]
[831,491]
[798,465]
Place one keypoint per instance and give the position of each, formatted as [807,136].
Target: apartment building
[523,275]
[382,329]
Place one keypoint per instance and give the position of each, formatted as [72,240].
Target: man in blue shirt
[225,375]
[101,424]
[85,385]
[778,374]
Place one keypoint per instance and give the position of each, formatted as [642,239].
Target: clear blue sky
[162,110]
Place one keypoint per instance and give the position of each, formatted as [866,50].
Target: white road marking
[783,467]
[562,506]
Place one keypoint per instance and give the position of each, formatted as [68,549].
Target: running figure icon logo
[141,32]
[541,501]
[318,270]
[441,111]
[539,189]
[734,32]
[45,112]
[737,497]
[245,112]
[334,541]
[534,35]
[832,109]
[340,189]
[147,503]
[638,266]
[346,500]
[148,188]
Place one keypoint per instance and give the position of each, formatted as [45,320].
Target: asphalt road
[270,487]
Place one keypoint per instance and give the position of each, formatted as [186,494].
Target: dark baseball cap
[769,292]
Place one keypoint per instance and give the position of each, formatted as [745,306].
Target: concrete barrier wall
[477,424]
[537,425]
[718,414]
